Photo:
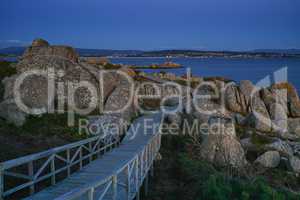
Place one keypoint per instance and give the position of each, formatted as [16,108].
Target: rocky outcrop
[282,147]
[246,88]
[222,148]
[58,66]
[12,114]
[271,97]
[292,97]
[34,88]
[259,118]
[235,100]
[294,126]
[279,118]
[40,43]
[41,49]
[121,101]
[295,164]
[270,159]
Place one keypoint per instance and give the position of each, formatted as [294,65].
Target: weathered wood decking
[117,174]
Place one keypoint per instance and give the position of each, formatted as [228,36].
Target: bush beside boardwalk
[36,135]
[181,175]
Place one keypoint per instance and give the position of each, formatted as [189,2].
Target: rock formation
[61,68]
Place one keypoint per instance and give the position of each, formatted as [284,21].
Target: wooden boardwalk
[118,174]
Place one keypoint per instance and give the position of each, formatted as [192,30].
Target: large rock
[295,164]
[292,97]
[295,108]
[271,97]
[41,48]
[259,118]
[34,88]
[281,146]
[235,100]
[247,88]
[59,67]
[121,101]
[279,118]
[40,43]
[270,159]
[294,126]
[10,112]
[222,148]
[208,101]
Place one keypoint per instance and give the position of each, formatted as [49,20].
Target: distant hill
[108,52]
[18,51]
[283,51]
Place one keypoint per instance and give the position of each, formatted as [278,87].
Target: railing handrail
[25,159]
[76,192]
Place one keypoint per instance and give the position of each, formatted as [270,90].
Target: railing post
[91,194]
[1,182]
[152,170]
[80,158]
[98,148]
[128,181]
[142,167]
[31,174]
[146,184]
[69,162]
[137,178]
[91,153]
[114,187]
[146,159]
[105,146]
[53,181]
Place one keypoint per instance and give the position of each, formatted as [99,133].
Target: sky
[153,24]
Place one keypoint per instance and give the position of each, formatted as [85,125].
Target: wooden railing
[125,182]
[33,169]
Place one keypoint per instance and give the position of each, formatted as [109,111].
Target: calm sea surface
[235,69]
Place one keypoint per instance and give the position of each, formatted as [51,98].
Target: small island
[165,65]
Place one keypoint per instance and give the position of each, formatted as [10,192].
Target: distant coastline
[263,53]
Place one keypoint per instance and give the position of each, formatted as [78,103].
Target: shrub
[37,134]
[111,66]
[195,179]
[6,70]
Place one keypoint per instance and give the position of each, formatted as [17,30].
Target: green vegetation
[111,66]
[218,78]
[183,82]
[37,134]
[181,175]
[6,70]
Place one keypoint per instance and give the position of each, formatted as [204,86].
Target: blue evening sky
[153,24]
